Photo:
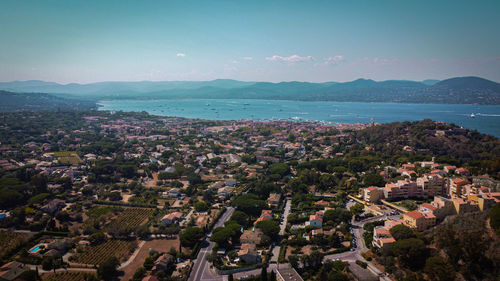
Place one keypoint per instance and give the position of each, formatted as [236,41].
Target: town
[97,195]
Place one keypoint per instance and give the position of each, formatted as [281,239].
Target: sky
[71,41]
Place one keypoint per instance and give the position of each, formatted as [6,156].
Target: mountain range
[459,90]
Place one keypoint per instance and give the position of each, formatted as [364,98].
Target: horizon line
[230,79]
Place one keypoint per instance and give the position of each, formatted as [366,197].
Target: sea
[484,118]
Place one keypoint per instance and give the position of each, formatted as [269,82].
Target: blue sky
[88,41]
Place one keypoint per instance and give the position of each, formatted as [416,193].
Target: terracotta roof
[387,240]
[429,206]
[315,217]
[414,214]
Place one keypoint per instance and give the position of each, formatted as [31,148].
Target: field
[68,157]
[97,254]
[67,276]
[97,212]
[10,240]
[131,217]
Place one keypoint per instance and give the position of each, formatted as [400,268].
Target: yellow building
[419,220]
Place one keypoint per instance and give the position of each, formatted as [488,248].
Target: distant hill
[455,145]
[460,90]
[37,101]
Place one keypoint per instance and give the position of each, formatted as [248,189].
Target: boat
[472,115]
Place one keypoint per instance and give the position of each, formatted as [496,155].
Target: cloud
[384,61]
[291,59]
[331,60]
[247,58]
[181,55]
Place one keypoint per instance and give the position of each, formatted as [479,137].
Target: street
[352,256]
[201,268]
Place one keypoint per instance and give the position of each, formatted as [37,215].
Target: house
[274,200]
[53,206]
[264,216]
[462,171]
[373,194]
[252,237]
[316,221]
[382,236]
[162,262]
[171,218]
[231,182]
[174,192]
[225,192]
[462,206]
[268,214]
[432,184]
[449,169]
[12,270]
[418,220]
[322,203]
[457,187]
[402,189]
[248,253]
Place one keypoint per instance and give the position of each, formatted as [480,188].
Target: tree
[411,252]
[438,269]
[495,218]
[337,216]
[201,206]
[269,228]
[107,270]
[249,204]
[190,236]
[400,232]
[281,169]
[240,217]
[273,276]
[294,261]
[30,275]
[139,274]
[263,274]
[357,209]
[374,180]
[337,276]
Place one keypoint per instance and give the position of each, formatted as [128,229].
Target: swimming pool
[35,250]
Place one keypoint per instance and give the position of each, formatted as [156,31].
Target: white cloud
[181,55]
[331,60]
[291,59]
[247,58]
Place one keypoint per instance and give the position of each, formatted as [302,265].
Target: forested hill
[449,143]
[38,101]
[459,90]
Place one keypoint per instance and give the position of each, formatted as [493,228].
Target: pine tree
[273,276]
[263,274]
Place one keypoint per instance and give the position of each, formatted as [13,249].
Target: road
[358,231]
[201,268]
[286,212]
[188,217]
